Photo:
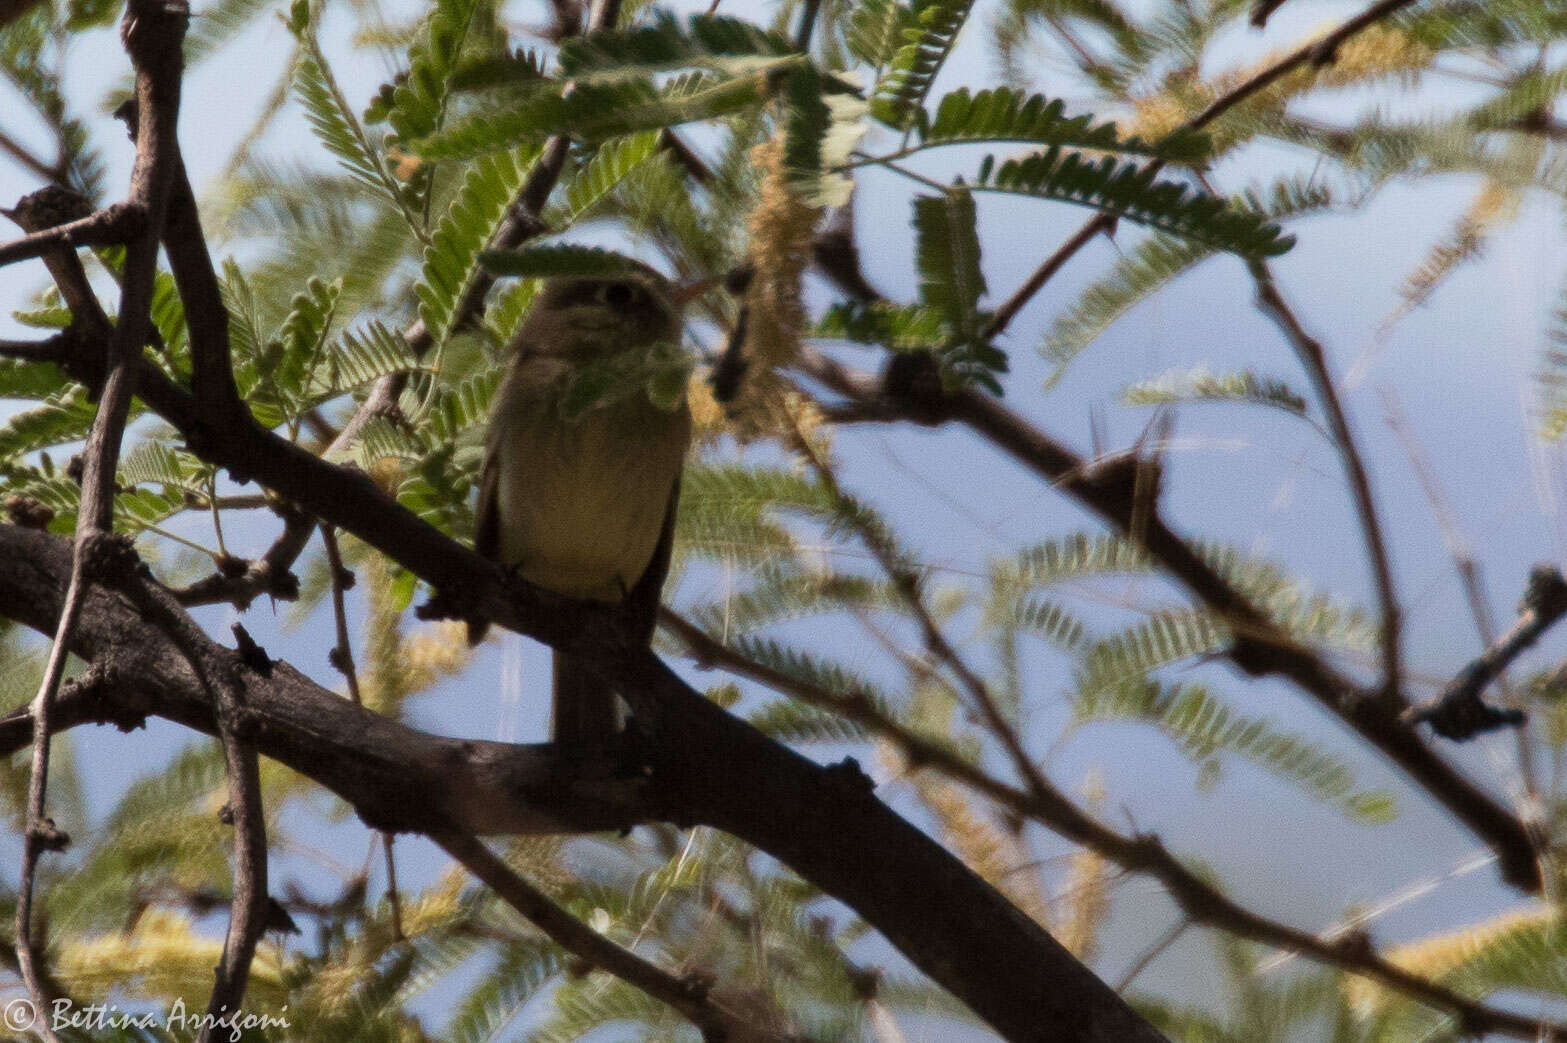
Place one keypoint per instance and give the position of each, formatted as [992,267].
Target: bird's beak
[691,291]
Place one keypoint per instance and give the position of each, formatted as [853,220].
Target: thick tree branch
[50,349]
[1141,853]
[44,209]
[690,763]
[396,778]
[1110,491]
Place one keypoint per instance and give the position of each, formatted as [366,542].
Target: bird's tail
[585,709]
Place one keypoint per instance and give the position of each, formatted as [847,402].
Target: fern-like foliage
[1152,264]
[595,112]
[1498,23]
[1167,637]
[951,285]
[451,260]
[1077,556]
[781,594]
[1129,191]
[1004,114]
[1203,385]
[1205,727]
[484,1014]
[814,670]
[899,97]
[29,380]
[419,101]
[337,127]
[61,417]
[1551,378]
[1045,619]
[797,723]
[705,41]
[876,31]
[881,322]
[611,164]
[286,364]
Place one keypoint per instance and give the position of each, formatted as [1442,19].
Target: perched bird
[580,497]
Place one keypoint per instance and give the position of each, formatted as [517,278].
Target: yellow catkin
[436,906]
[433,652]
[1376,51]
[707,416]
[163,958]
[780,226]
[1439,954]
[1086,896]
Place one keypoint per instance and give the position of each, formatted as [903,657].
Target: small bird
[581,501]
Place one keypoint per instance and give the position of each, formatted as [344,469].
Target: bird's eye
[616,294]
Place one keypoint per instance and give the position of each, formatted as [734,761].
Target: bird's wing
[487,517]
[641,604]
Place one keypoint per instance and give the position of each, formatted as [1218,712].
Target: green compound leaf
[705,41]
[1130,191]
[1011,115]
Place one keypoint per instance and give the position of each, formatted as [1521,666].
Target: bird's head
[590,317]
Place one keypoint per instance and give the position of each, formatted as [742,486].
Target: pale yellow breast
[581,504]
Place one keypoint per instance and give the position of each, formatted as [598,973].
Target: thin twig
[802,36]
[1043,274]
[152,34]
[1458,713]
[1314,360]
[248,904]
[394,900]
[1262,10]
[341,656]
[1469,576]
[23,155]
[688,996]
[1318,52]
[111,226]
[1153,952]
[240,583]
[51,349]
[342,659]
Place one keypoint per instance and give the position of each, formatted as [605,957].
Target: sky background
[1461,369]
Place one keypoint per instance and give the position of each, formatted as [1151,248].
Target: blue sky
[1460,367]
